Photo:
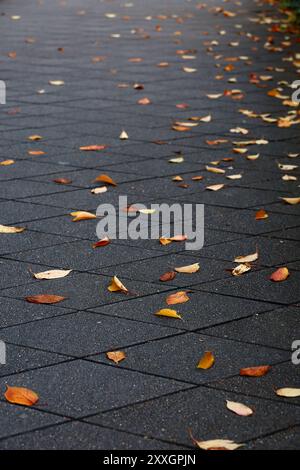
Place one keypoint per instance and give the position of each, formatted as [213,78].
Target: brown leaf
[105,241]
[21,396]
[178,298]
[62,181]
[116,356]
[258,371]
[35,137]
[44,299]
[169,276]
[176,238]
[207,361]
[281,274]
[241,269]
[105,179]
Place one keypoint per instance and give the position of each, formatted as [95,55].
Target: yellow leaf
[7,229]
[116,356]
[167,312]
[207,361]
[82,215]
[116,285]
[35,137]
[7,162]
[192,268]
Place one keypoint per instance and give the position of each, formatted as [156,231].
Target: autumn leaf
[288,392]
[144,101]
[7,162]
[176,160]
[167,312]
[239,408]
[176,238]
[35,137]
[105,241]
[216,444]
[116,356]
[82,215]
[21,396]
[258,371]
[169,276]
[100,190]
[105,179]
[190,269]
[44,299]
[247,259]
[281,274]
[7,229]
[36,153]
[291,200]
[124,135]
[56,82]
[241,269]
[261,215]
[62,181]
[117,286]
[53,274]
[177,298]
[93,148]
[213,169]
[215,187]
[207,361]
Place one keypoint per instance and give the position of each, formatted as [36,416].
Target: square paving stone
[277,329]
[20,189]
[282,440]
[63,225]
[202,412]
[27,240]
[19,419]
[80,388]
[289,234]
[15,212]
[83,333]
[179,355]
[76,435]
[20,358]
[258,286]
[84,290]
[22,169]
[152,269]
[15,312]
[281,375]
[203,309]
[271,251]
[80,255]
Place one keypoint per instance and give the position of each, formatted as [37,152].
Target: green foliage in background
[293,5]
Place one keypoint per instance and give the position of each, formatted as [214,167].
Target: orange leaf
[280,275]
[106,179]
[167,276]
[36,152]
[21,396]
[144,101]
[261,214]
[207,361]
[44,299]
[167,312]
[105,241]
[258,371]
[116,356]
[62,181]
[93,148]
[178,298]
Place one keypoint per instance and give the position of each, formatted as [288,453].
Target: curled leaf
[241,269]
[53,274]
[247,259]
[105,241]
[106,179]
[100,190]
[291,200]
[7,229]
[117,286]
[258,371]
[261,214]
[169,276]
[82,215]
[167,312]
[178,298]
[192,268]
[21,396]
[207,361]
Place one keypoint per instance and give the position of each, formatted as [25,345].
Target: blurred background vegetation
[294,6]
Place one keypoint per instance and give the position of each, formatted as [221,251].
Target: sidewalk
[71,71]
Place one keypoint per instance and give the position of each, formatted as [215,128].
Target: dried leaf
[176,238]
[176,160]
[213,169]
[280,275]
[124,135]
[167,312]
[7,162]
[247,259]
[117,286]
[207,361]
[234,177]
[105,241]
[7,229]
[21,396]
[105,179]
[62,181]
[288,392]
[35,137]
[192,268]
[258,371]
[144,101]
[56,82]
[116,356]
[261,214]
[178,298]
[82,215]
[217,444]
[239,408]
[36,153]
[291,200]
[215,187]
[241,269]
[169,276]
[53,274]
[93,148]
[44,299]
[100,190]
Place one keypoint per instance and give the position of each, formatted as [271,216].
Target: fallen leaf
[289,178]
[21,396]
[215,187]
[234,177]
[213,169]
[105,179]
[247,259]
[261,214]
[280,275]
[241,269]
[116,356]
[56,82]
[281,166]
[176,160]
[36,153]
[178,298]
[53,274]
[167,312]
[207,361]
[258,371]
[105,241]
[82,215]
[35,137]
[144,101]
[7,162]
[239,408]
[117,286]
[291,200]
[192,268]
[7,229]
[62,181]
[169,276]
[93,148]
[176,238]
[124,135]
[189,70]
[214,96]
[217,444]
[288,392]
[44,299]
[100,190]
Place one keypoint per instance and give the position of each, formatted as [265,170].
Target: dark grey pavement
[181,52]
